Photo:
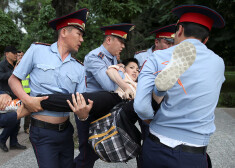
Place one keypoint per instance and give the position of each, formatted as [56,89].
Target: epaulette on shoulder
[42,43]
[78,61]
[140,51]
[101,55]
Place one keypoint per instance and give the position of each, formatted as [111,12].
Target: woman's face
[132,70]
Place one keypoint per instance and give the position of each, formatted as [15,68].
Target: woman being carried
[102,101]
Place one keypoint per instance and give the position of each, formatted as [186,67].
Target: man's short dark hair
[194,30]
[112,36]
[69,28]
[10,49]
[128,60]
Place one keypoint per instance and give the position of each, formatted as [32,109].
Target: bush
[226,100]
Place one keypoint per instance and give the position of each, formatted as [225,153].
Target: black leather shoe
[18,146]
[3,147]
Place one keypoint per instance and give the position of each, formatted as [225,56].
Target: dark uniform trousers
[53,149]
[103,102]
[11,124]
[158,155]
[87,156]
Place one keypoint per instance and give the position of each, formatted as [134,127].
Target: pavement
[221,148]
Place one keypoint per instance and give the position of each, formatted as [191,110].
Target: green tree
[147,15]
[63,7]
[36,22]
[124,11]
[4,4]
[9,32]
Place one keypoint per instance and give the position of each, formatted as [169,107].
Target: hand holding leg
[79,106]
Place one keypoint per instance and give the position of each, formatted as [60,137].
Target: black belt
[184,148]
[46,125]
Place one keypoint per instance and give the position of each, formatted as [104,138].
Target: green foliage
[227,95]
[147,15]
[45,33]
[94,36]
[9,32]
[123,10]
[38,30]
[226,100]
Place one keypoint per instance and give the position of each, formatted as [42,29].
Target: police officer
[180,131]
[96,63]
[53,70]
[164,39]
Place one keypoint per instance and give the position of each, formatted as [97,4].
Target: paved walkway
[221,148]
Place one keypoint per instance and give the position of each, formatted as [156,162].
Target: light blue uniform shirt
[183,117]
[49,74]
[96,63]
[143,56]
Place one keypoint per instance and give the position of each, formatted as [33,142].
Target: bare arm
[31,103]
[115,77]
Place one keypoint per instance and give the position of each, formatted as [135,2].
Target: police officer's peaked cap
[165,32]
[77,19]
[120,30]
[200,15]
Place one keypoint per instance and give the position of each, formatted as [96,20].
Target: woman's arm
[115,77]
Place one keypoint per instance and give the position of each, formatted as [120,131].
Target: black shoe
[18,146]
[3,147]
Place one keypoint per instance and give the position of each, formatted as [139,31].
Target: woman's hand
[129,93]
[79,106]
[121,67]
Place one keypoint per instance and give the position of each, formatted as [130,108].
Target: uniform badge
[87,14]
[124,36]
[132,28]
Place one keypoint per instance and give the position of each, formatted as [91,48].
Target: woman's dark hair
[128,60]
[194,30]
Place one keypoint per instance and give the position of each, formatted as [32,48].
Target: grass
[227,95]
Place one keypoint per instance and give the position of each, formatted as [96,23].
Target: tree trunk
[64,7]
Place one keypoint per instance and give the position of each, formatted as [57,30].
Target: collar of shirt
[54,48]
[150,50]
[108,55]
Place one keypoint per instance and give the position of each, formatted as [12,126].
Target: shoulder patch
[78,61]
[101,55]
[42,43]
[140,51]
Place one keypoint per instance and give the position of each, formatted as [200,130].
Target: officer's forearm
[17,89]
